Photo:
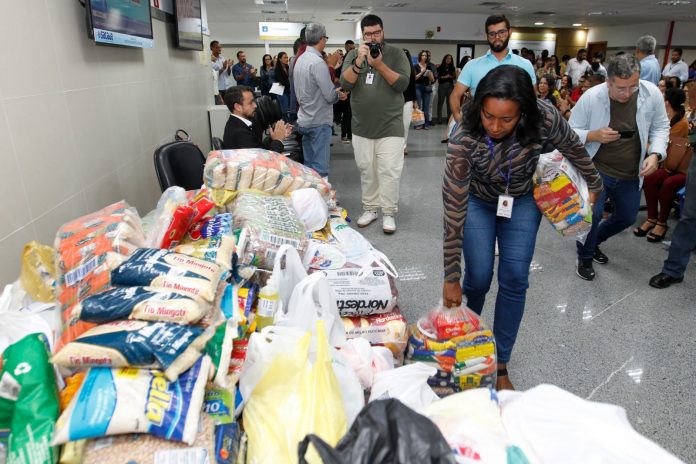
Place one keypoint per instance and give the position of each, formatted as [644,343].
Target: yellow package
[38,273]
[475,351]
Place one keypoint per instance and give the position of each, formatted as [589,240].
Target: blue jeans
[316,143]
[684,235]
[625,195]
[284,101]
[424,93]
[516,238]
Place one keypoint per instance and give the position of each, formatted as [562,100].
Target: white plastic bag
[288,271]
[470,422]
[351,388]
[408,384]
[367,360]
[311,208]
[552,425]
[312,300]
[19,321]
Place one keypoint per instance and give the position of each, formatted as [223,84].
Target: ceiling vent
[491,4]
[544,13]
[348,13]
[396,5]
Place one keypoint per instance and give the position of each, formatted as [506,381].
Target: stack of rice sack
[458,345]
[256,169]
[562,195]
[88,249]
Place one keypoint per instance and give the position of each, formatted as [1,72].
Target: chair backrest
[180,164]
[217,144]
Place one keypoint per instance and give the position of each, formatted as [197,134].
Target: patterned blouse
[469,168]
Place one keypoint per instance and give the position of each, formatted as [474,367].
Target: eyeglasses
[326,37]
[629,90]
[372,35]
[500,34]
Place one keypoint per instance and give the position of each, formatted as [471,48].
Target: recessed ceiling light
[674,2]
[577,24]
[538,24]
[602,13]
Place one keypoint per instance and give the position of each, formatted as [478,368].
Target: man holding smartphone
[617,121]
[377,74]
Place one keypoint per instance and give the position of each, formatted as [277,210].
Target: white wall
[625,37]
[79,122]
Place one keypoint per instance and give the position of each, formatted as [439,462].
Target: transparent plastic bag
[267,223]
[389,330]
[311,208]
[88,249]
[562,196]
[458,345]
[367,360]
[258,169]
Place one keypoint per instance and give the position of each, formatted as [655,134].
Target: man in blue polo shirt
[498,32]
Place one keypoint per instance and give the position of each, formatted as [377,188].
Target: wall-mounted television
[189,25]
[120,22]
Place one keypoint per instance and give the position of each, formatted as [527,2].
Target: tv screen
[189,27]
[120,22]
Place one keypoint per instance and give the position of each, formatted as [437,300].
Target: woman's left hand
[594,196]
[451,294]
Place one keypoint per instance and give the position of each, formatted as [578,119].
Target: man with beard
[377,74]
[498,32]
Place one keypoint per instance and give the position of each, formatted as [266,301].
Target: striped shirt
[471,168]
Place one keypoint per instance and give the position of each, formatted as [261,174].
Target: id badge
[369,78]
[505,203]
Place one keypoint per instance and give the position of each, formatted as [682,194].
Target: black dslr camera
[375,49]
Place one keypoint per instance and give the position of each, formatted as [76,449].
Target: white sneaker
[388,224]
[367,218]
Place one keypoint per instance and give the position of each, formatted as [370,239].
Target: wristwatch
[659,156]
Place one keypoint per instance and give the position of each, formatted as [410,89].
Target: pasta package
[267,222]
[151,345]
[142,303]
[151,267]
[389,330]
[261,170]
[129,400]
[562,196]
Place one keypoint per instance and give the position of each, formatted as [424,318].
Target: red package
[453,322]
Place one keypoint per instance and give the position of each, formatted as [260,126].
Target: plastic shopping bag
[385,432]
[470,422]
[408,384]
[28,401]
[311,208]
[562,196]
[313,300]
[295,397]
[552,425]
[367,360]
[417,117]
[288,271]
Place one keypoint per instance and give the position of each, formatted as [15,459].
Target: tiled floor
[614,340]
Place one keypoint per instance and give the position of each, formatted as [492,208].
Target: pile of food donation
[229,325]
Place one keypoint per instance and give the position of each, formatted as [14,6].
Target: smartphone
[627,134]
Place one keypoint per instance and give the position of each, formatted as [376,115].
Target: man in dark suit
[238,131]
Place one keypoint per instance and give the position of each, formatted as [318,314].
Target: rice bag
[169,270]
[28,401]
[152,345]
[212,240]
[38,271]
[562,196]
[258,169]
[128,400]
[146,449]
[362,291]
[389,330]
[142,303]
[267,222]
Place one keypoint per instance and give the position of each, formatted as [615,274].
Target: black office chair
[217,144]
[180,164]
